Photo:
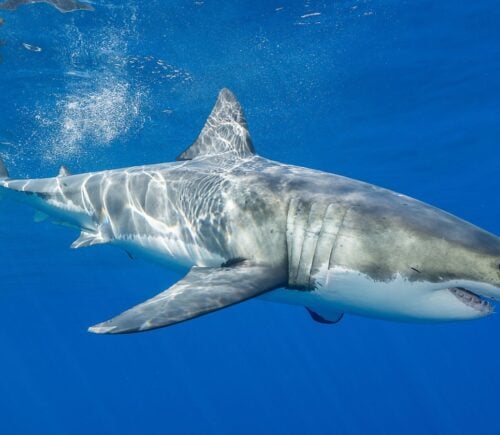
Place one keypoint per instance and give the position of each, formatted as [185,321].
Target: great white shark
[245,226]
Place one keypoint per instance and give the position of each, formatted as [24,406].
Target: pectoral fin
[201,291]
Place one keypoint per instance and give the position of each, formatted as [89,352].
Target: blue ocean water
[401,94]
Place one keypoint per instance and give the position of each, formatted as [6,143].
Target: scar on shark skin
[61,5]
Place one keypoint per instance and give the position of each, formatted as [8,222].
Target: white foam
[95,118]
[100,104]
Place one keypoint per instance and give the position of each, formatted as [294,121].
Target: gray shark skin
[246,227]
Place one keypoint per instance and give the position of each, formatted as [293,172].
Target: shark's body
[248,226]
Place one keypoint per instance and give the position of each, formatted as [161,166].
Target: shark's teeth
[472,300]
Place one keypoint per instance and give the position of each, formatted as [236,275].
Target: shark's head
[418,263]
[457,263]
[466,264]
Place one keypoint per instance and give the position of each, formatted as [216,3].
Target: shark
[243,226]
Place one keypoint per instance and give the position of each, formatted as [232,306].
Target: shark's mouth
[472,300]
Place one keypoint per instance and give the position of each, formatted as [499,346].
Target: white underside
[349,291]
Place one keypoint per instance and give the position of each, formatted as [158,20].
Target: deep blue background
[398,93]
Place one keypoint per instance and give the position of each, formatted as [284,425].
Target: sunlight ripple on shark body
[246,226]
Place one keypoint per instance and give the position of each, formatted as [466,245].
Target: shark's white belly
[342,290]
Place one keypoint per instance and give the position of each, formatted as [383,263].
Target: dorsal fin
[225,131]
[63,171]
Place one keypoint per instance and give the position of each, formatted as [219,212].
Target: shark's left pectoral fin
[201,291]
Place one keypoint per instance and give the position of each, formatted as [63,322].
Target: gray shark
[244,226]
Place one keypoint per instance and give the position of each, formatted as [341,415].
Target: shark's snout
[484,290]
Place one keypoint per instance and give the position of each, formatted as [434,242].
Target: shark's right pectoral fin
[201,291]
